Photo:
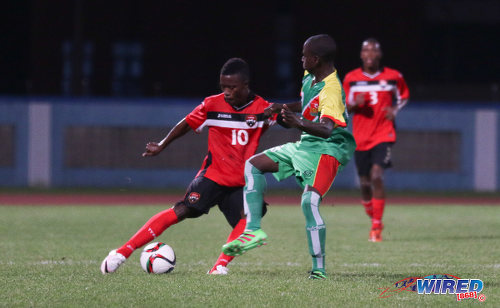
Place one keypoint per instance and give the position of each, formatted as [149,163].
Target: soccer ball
[158,258]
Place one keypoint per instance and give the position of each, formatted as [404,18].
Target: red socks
[368,207]
[224,259]
[151,229]
[378,212]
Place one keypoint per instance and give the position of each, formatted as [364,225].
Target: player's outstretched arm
[179,130]
[322,129]
[276,108]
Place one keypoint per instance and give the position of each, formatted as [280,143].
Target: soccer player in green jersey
[324,148]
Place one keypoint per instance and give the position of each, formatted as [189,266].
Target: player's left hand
[290,117]
[152,149]
[390,113]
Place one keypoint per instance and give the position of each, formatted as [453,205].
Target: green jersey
[326,99]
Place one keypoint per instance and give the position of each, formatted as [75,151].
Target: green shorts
[309,168]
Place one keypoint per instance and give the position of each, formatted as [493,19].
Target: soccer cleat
[219,270]
[375,235]
[317,275]
[112,262]
[246,241]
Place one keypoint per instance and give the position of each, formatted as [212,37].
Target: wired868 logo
[462,288]
[439,284]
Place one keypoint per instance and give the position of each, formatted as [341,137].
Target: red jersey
[233,136]
[383,89]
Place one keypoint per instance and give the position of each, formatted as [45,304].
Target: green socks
[253,194]
[315,229]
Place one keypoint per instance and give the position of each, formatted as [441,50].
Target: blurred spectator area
[121,147]
[427,151]
[7,145]
[447,50]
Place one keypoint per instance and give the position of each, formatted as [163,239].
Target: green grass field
[50,257]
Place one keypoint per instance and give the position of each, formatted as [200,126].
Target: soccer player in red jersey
[236,121]
[374,94]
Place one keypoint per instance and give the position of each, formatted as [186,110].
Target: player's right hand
[152,149]
[359,99]
[272,109]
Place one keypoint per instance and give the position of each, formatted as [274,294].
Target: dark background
[447,50]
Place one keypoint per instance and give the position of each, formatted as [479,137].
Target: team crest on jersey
[311,112]
[251,119]
[193,197]
[314,107]
[383,83]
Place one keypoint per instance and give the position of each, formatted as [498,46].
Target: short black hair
[373,41]
[323,46]
[236,66]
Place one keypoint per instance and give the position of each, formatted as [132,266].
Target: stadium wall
[97,142]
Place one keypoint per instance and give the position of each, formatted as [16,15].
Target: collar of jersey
[331,76]
[371,76]
[252,95]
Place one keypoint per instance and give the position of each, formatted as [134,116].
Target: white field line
[246,264]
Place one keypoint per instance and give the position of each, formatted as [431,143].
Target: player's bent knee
[263,163]
[183,211]
[310,207]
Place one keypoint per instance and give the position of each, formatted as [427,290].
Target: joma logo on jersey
[224,116]
[251,119]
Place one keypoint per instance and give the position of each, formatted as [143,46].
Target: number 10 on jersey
[239,137]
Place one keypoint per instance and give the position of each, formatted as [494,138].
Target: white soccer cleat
[112,262]
[219,270]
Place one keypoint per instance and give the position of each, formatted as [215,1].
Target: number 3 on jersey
[239,137]
[373,98]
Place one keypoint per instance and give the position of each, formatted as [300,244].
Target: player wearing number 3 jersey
[235,121]
[374,94]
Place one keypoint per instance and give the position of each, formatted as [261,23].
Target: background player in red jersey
[235,119]
[375,94]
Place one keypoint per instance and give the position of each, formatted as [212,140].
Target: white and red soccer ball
[158,258]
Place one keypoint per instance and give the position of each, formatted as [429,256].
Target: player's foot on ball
[375,235]
[317,275]
[246,241]
[218,270]
[112,262]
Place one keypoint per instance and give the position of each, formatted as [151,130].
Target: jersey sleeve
[197,118]
[347,90]
[403,93]
[331,104]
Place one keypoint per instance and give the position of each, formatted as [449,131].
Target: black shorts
[378,155]
[203,194]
